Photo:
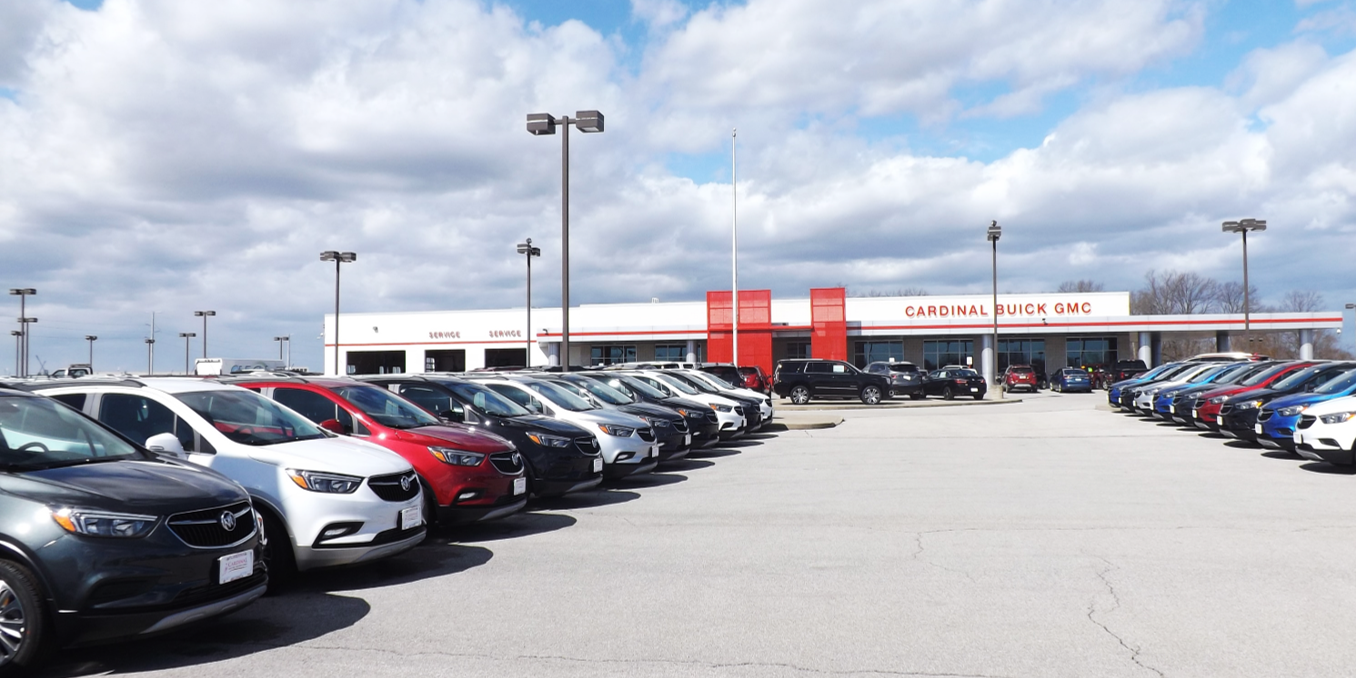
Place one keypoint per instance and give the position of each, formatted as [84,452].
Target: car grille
[1307,420]
[1198,403]
[507,462]
[587,445]
[646,434]
[205,529]
[1264,414]
[680,426]
[1225,409]
[395,487]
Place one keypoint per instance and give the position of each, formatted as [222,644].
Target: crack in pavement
[1116,599]
[917,556]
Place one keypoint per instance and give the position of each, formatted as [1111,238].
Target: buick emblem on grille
[405,483]
[517,459]
[227,521]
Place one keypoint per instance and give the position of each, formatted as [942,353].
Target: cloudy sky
[168,156]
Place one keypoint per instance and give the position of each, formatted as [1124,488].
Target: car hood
[648,410]
[463,438]
[1333,404]
[536,422]
[1301,399]
[336,455]
[152,487]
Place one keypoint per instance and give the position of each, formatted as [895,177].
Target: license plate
[1298,438]
[687,439]
[1259,429]
[235,566]
[654,451]
[519,485]
[411,517]
[597,465]
[974,389]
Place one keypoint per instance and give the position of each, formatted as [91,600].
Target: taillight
[960,381]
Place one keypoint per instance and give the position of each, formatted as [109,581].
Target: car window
[640,386]
[1264,375]
[248,418]
[601,391]
[385,407]
[139,418]
[1338,385]
[561,396]
[965,373]
[37,433]
[490,400]
[309,404]
[76,400]
[677,384]
[818,368]
[430,398]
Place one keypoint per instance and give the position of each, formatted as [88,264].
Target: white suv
[337,500]
[1327,431]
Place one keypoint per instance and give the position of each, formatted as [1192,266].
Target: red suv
[468,474]
[1019,376]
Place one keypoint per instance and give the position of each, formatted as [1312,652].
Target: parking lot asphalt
[1045,538]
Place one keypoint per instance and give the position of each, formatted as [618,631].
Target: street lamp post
[23,293]
[281,340]
[1243,226]
[204,315]
[542,124]
[150,346]
[91,339]
[526,248]
[187,336]
[18,344]
[994,233]
[338,258]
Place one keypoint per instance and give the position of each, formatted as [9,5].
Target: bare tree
[1081,286]
[1174,293]
[1302,301]
[1229,298]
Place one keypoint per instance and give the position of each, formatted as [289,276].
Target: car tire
[279,559]
[917,396]
[21,614]
[800,395]
[978,396]
[430,504]
[871,395]
[948,394]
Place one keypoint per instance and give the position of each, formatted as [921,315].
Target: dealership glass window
[797,349]
[1090,351]
[1021,352]
[948,352]
[612,354]
[674,352]
[883,351]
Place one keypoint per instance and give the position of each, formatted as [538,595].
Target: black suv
[806,378]
[905,377]
[101,539]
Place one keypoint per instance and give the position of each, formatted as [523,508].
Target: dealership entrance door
[451,360]
[505,357]
[376,362]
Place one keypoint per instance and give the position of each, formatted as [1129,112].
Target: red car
[1019,376]
[1208,403]
[755,379]
[468,474]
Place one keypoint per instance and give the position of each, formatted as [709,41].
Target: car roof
[164,384]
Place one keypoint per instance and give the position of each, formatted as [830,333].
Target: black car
[905,377]
[701,419]
[805,378]
[671,431]
[103,539]
[560,456]
[950,382]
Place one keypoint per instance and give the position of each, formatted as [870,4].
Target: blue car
[1071,380]
[1276,420]
[1113,392]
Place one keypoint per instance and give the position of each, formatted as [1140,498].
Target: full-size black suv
[806,378]
[101,539]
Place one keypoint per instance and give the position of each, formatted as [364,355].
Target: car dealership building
[1049,330]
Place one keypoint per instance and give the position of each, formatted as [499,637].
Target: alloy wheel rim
[12,623]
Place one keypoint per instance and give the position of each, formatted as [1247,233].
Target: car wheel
[279,559]
[978,396]
[23,620]
[871,395]
[917,396]
[948,394]
[800,395]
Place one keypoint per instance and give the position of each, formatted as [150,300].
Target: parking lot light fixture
[338,258]
[23,293]
[91,339]
[204,315]
[994,233]
[1242,226]
[187,336]
[285,339]
[18,344]
[544,124]
[526,248]
[150,347]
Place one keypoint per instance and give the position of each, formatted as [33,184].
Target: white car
[1144,399]
[332,500]
[627,443]
[764,400]
[1327,431]
[732,422]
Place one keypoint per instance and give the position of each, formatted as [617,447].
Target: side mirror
[451,415]
[333,426]
[168,444]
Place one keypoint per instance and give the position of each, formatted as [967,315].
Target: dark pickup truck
[1106,375]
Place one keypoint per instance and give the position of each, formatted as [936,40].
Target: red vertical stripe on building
[828,315]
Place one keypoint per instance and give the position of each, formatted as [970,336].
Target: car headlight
[614,430]
[1217,400]
[1293,410]
[103,523]
[1249,405]
[1337,417]
[691,414]
[332,483]
[721,408]
[1152,391]
[548,440]
[456,457]
[656,421]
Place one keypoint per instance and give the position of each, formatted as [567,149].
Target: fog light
[337,530]
[625,455]
[468,495]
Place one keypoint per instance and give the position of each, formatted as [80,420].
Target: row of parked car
[1307,407]
[135,505]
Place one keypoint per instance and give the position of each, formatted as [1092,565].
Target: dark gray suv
[101,539]
[806,378]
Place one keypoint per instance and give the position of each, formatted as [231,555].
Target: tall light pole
[526,248]
[23,293]
[338,258]
[18,344]
[281,340]
[734,254]
[542,124]
[186,336]
[1243,226]
[204,315]
[150,360]
[994,233]
[91,339]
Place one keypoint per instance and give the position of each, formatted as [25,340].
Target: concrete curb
[803,423]
[786,406]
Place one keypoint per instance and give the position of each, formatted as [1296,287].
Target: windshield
[1204,375]
[1297,378]
[248,418]
[676,384]
[385,407]
[712,379]
[1233,373]
[487,401]
[601,391]
[561,396]
[693,382]
[903,367]
[1073,373]
[39,433]
[631,387]
[1265,375]
[1339,384]
[964,373]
